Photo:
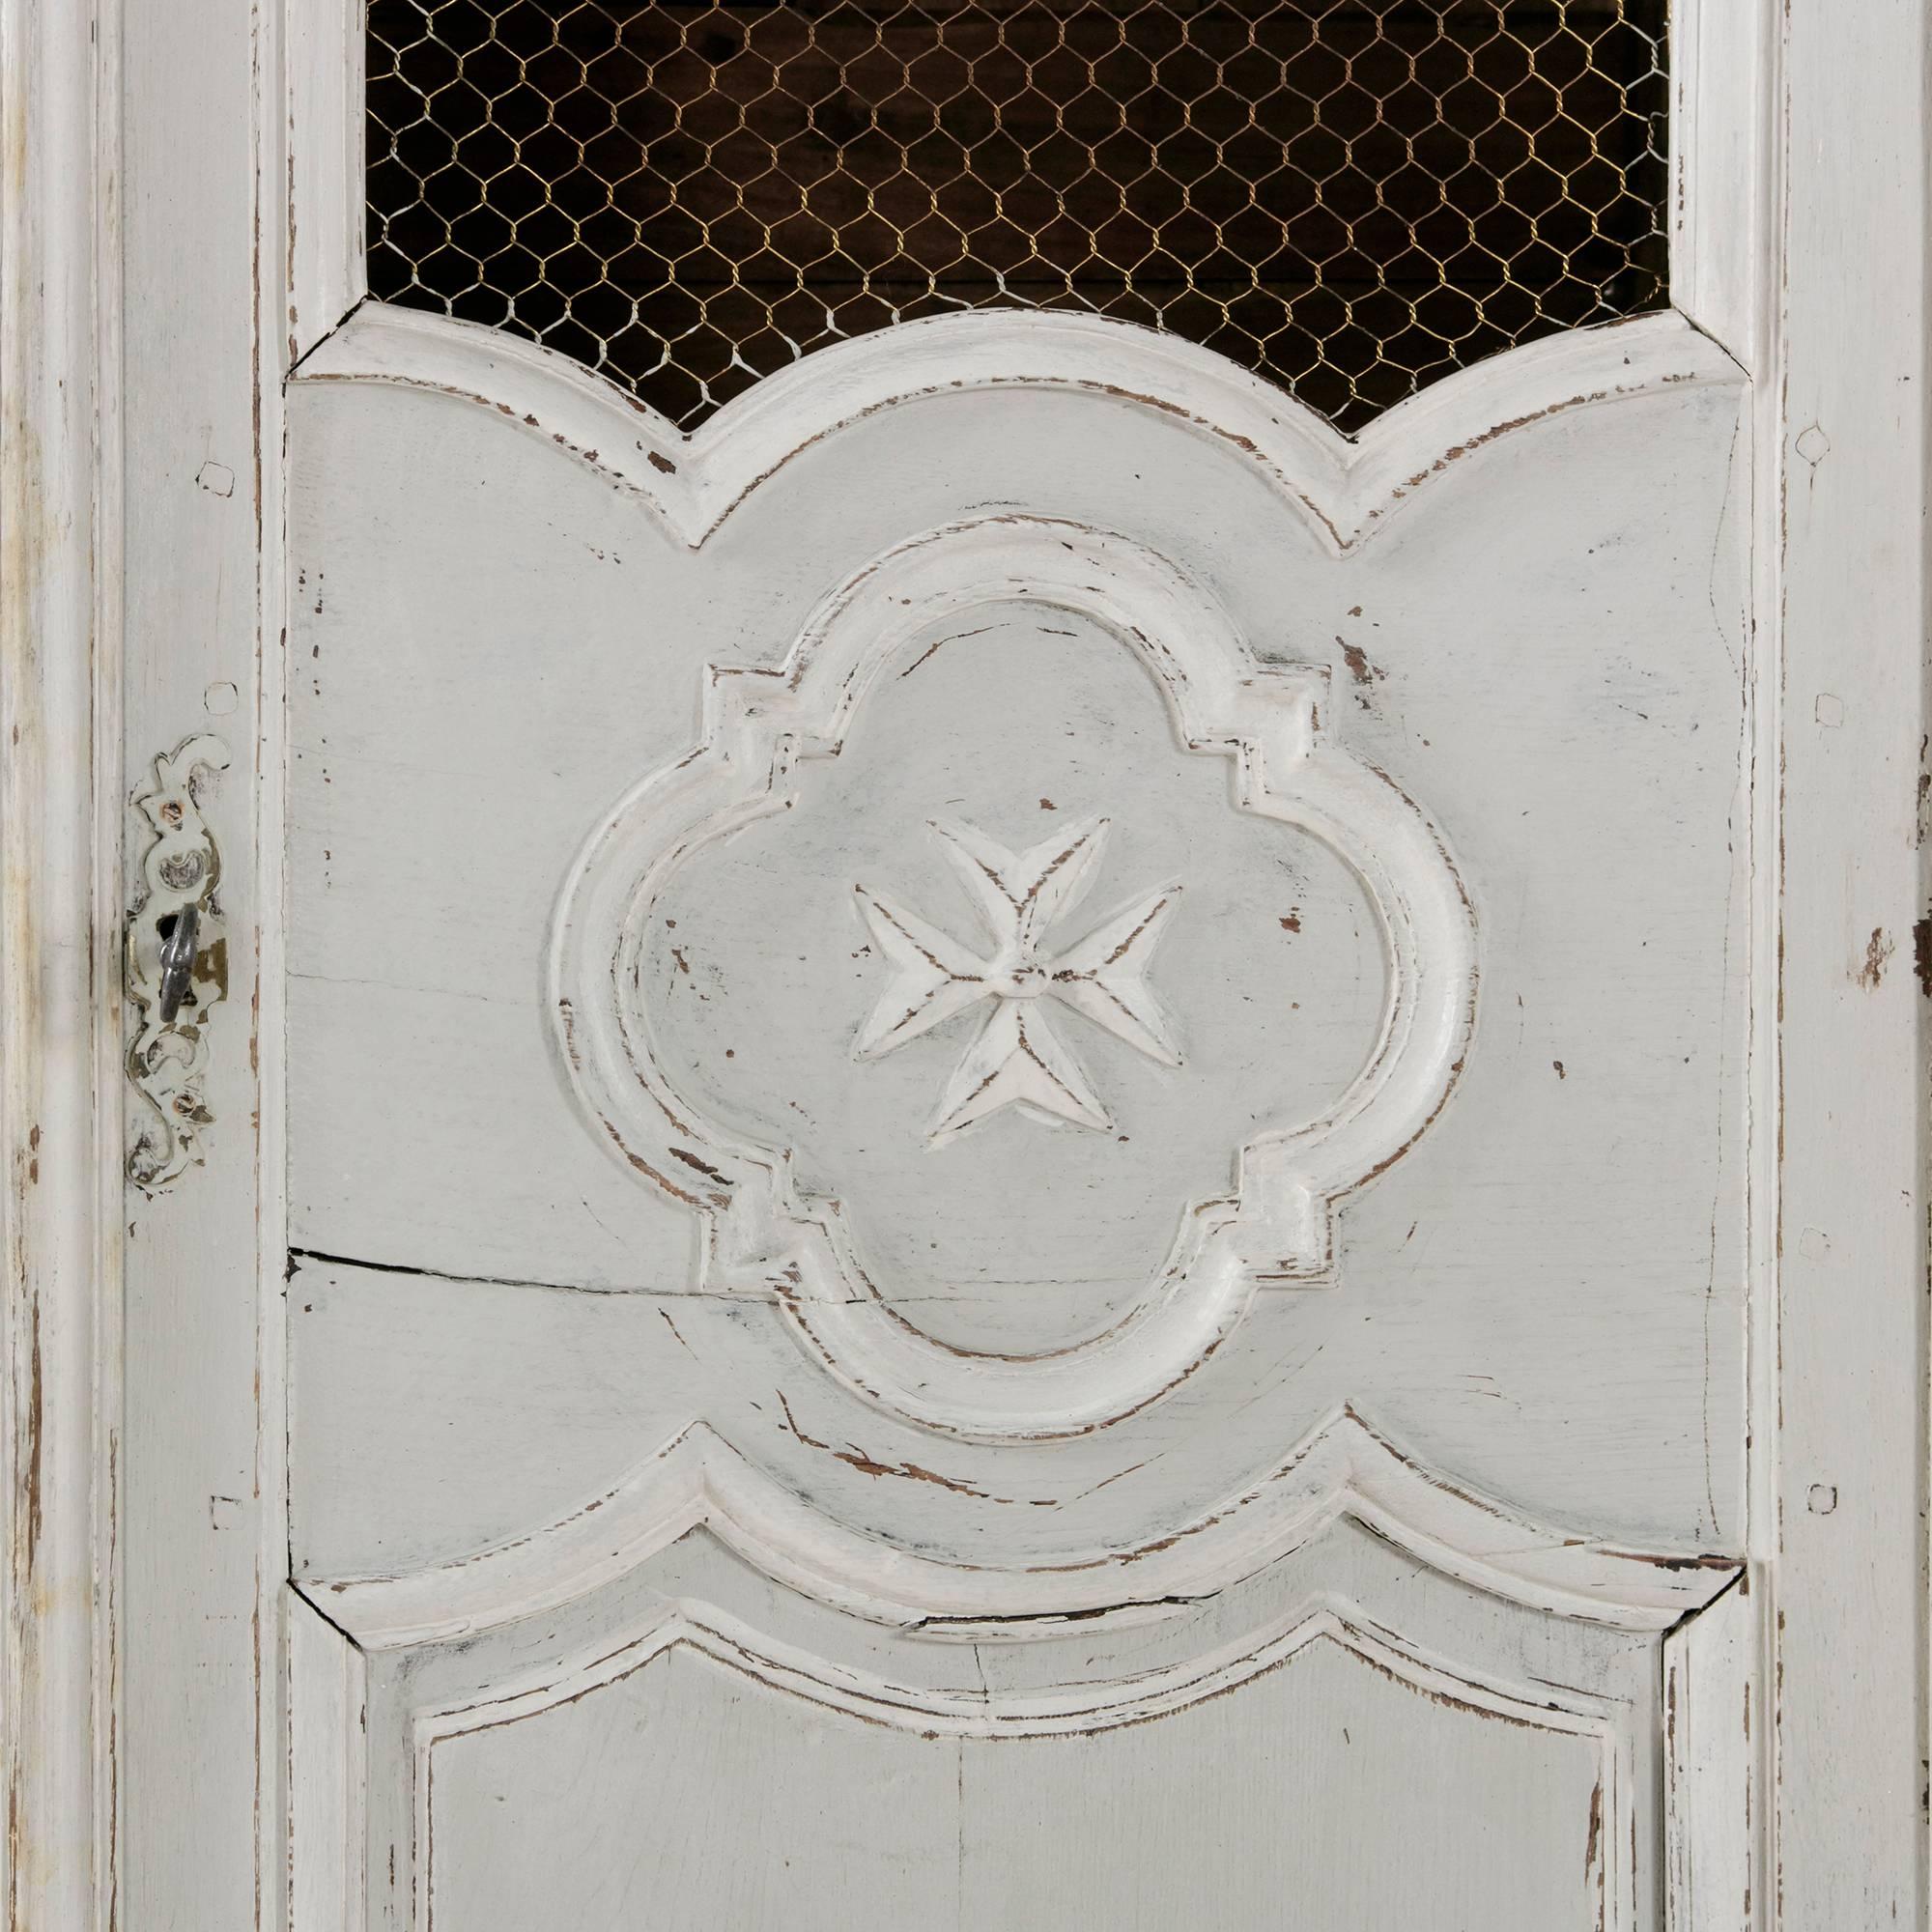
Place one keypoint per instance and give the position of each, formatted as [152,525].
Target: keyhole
[176,988]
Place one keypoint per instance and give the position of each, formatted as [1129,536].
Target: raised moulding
[1345,490]
[386,1671]
[1599,1726]
[769,1236]
[1342,1468]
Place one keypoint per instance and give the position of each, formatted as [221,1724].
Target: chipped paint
[1879,949]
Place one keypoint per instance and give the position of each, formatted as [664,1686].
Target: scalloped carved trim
[1345,490]
[1083,1709]
[1343,1468]
[1076,1709]
[761,727]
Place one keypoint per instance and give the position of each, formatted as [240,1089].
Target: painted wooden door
[1019,1049]
[1015,1131]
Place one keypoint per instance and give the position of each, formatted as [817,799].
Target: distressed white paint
[1343,1468]
[1344,488]
[58,967]
[312,119]
[1710,1729]
[1018,1060]
[1833,463]
[327,1771]
[1043,1772]
[1723,132]
[202,1534]
[1077,1829]
[947,1456]
[453,1074]
[1846,476]
[772,1232]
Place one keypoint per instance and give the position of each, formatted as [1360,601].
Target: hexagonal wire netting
[1352,197]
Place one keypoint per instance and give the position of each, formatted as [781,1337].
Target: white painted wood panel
[202,1536]
[818,1512]
[1849,483]
[857,1826]
[1232,1808]
[1577,727]
[60,721]
[622,830]
[1713,1735]
[1105,1767]
[1528,1348]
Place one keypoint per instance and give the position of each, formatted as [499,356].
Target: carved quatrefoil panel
[809,991]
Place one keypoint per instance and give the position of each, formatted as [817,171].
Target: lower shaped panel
[1326,1791]
[1346,1740]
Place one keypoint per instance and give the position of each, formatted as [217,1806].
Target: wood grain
[1650,653]
[60,1741]
[1849,483]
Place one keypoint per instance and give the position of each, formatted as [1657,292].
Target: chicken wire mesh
[1351,198]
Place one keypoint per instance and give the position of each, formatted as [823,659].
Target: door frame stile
[60,1002]
[322,128]
[1841,532]
[1726,160]
[1758,1634]
[203,1530]
[279,61]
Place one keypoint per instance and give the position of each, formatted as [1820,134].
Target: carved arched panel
[1093,1765]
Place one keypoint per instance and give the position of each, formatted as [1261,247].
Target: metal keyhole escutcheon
[176,964]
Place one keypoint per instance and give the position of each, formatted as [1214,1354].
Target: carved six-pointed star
[1017,1058]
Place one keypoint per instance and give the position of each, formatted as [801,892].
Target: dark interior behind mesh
[1350,198]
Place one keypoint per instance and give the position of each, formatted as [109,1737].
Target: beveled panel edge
[355,1722]
[1062,1711]
[1605,1722]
